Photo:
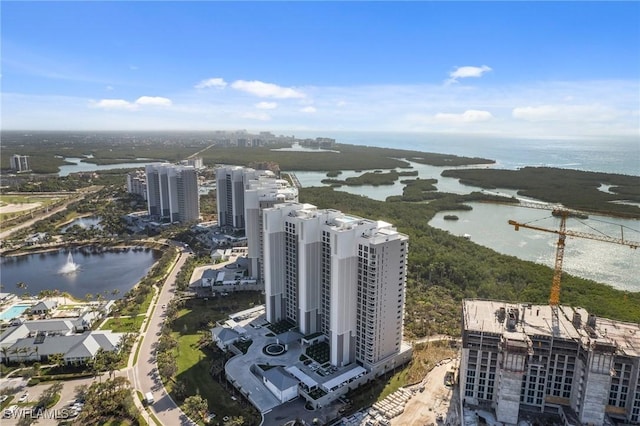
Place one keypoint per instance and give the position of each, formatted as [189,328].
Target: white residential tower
[338,275]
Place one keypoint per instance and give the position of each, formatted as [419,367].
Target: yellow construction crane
[562,232]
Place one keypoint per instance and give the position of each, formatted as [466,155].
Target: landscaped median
[58,377]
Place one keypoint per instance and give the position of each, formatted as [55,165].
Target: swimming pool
[13,312]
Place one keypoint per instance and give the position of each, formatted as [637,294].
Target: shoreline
[41,248]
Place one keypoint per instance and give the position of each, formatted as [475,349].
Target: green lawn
[24,199]
[147,301]
[132,309]
[69,307]
[124,325]
[194,363]
[7,402]
[395,382]
[20,199]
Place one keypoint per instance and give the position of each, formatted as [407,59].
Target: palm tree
[34,350]
[22,353]
[15,351]
[56,359]
[5,354]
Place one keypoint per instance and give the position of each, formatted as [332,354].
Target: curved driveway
[144,374]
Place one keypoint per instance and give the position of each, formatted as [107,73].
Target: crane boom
[570,233]
[562,232]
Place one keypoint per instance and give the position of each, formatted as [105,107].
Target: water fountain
[70,266]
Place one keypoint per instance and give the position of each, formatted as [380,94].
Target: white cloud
[308,109]
[114,104]
[466,72]
[266,105]
[266,90]
[215,82]
[539,113]
[153,101]
[108,88]
[534,110]
[121,104]
[469,116]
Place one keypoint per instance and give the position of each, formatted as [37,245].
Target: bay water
[487,224]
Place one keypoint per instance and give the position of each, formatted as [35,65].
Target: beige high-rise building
[230,183]
[19,163]
[241,195]
[137,183]
[262,191]
[172,192]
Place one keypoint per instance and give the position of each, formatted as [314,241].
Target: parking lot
[61,410]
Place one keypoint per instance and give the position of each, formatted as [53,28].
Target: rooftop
[280,378]
[574,323]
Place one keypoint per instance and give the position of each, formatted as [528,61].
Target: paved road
[143,375]
[75,196]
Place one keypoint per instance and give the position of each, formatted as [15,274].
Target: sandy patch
[13,208]
[435,405]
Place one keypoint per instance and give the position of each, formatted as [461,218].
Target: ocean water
[612,155]
[487,224]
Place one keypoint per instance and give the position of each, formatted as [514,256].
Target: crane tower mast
[563,214]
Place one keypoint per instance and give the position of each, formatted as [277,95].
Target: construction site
[549,364]
[516,363]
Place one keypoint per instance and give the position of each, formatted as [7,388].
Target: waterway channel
[613,264]
[487,225]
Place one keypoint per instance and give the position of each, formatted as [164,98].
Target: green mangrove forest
[443,269]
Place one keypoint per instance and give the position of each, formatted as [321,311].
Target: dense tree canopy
[444,269]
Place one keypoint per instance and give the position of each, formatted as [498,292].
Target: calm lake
[96,273]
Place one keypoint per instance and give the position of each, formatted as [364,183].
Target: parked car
[24,397]
[9,411]
[3,398]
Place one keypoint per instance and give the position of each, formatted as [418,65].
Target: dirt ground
[436,399]
[13,208]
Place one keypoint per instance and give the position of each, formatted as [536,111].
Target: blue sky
[526,69]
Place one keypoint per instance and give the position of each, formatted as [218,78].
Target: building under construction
[518,361]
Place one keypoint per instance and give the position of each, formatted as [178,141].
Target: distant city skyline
[513,69]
